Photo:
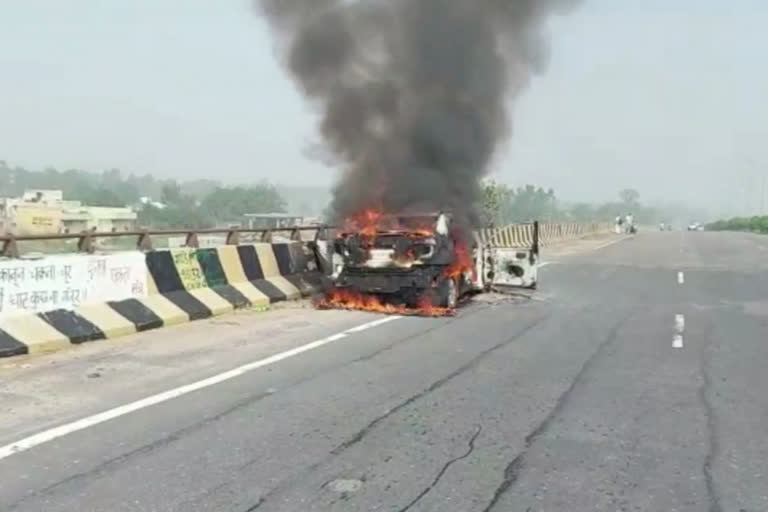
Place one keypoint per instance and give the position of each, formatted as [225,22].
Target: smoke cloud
[412,93]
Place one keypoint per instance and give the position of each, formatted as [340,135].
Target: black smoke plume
[412,93]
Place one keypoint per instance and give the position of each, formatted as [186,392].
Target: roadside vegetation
[757,224]
[204,203]
[504,205]
[161,204]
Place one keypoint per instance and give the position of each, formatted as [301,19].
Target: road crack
[713,447]
[470,449]
[513,469]
[376,421]
[433,387]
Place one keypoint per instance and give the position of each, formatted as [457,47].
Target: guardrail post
[85,242]
[144,243]
[233,237]
[192,240]
[266,236]
[10,248]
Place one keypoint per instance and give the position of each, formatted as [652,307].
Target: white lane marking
[677,341]
[544,264]
[680,323]
[369,325]
[680,278]
[608,244]
[63,430]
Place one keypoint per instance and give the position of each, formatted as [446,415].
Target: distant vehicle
[695,226]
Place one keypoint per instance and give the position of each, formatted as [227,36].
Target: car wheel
[448,294]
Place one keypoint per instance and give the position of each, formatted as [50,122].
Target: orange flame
[365,223]
[350,300]
[372,221]
[462,261]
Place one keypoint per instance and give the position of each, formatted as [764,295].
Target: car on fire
[423,259]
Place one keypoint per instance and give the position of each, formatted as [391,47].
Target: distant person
[630,223]
[619,223]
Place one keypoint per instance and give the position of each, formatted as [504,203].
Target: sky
[665,97]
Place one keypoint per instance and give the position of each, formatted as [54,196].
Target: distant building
[39,212]
[22,217]
[76,219]
[272,220]
[43,196]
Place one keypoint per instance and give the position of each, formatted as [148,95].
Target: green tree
[494,195]
[530,203]
[630,197]
[199,189]
[583,212]
[98,197]
[171,195]
[229,204]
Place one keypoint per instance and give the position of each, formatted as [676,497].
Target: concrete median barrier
[58,301]
[171,287]
[521,235]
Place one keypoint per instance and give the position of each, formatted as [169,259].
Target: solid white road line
[680,278]
[677,341]
[63,430]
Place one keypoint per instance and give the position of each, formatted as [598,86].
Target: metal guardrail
[9,247]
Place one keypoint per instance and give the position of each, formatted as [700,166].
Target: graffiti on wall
[70,281]
[188,268]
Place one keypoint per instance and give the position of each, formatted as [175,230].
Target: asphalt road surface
[634,379]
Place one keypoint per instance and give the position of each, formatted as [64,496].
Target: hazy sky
[665,96]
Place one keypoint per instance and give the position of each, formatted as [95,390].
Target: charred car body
[413,258]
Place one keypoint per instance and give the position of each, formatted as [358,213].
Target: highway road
[634,379]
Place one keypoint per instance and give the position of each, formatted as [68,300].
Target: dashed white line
[677,339]
[680,278]
[680,323]
[63,430]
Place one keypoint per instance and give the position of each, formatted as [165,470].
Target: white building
[39,212]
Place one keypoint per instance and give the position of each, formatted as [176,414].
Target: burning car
[420,262]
